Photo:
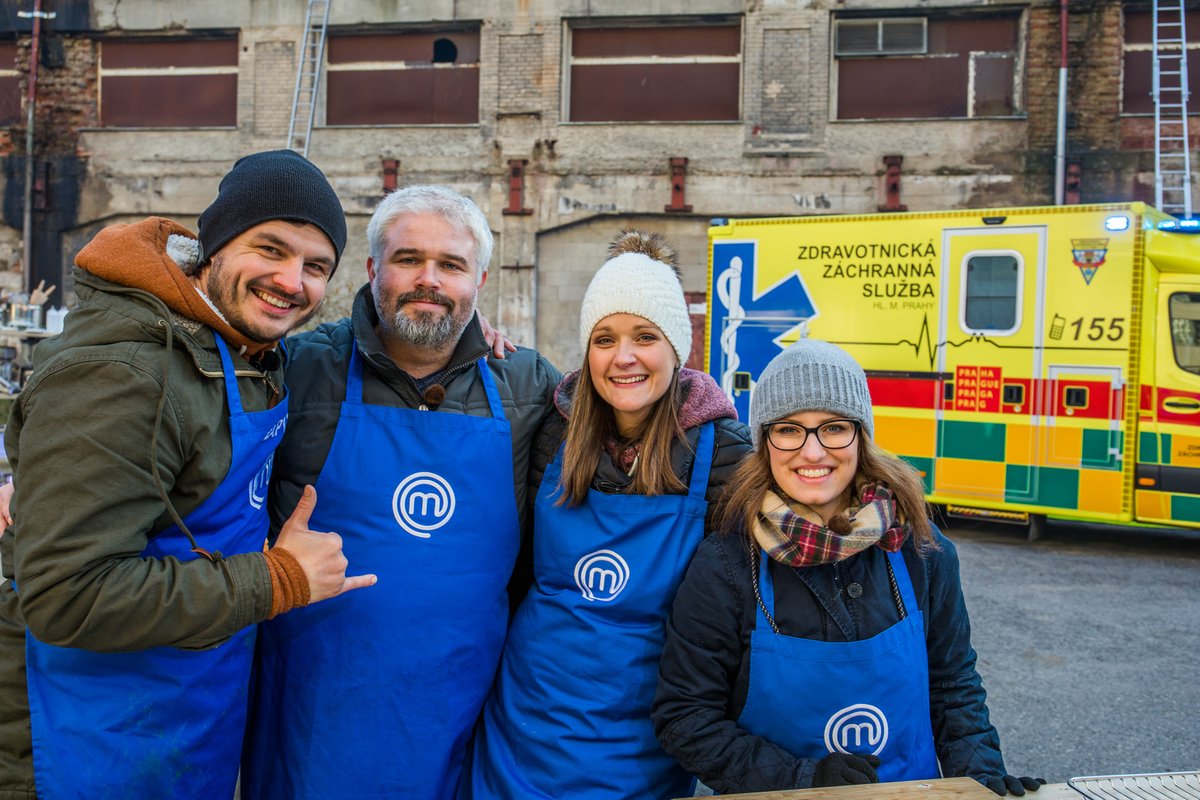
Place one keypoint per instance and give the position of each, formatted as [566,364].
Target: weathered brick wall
[66,98]
[784,156]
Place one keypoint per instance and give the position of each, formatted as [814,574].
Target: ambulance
[1029,362]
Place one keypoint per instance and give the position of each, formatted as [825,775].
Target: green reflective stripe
[1098,446]
[1185,508]
[1052,486]
[1147,448]
[976,441]
[925,467]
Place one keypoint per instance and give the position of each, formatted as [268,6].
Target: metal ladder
[308,76]
[1172,163]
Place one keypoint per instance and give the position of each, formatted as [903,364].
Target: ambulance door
[1167,485]
[992,313]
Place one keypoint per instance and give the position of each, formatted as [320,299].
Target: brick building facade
[567,119]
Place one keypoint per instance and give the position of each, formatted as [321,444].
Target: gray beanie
[279,184]
[811,375]
[639,278]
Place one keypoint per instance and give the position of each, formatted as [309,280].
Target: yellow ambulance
[1030,362]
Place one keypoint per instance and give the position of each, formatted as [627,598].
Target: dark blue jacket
[706,663]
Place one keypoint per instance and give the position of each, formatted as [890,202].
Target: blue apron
[570,716]
[374,693]
[813,697]
[162,722]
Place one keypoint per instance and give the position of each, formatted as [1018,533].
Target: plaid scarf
[793,534]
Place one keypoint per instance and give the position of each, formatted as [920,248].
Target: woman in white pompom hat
[641,448]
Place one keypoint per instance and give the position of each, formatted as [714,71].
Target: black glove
[1010,784]
[843,769]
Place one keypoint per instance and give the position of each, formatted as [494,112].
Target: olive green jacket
[87,501]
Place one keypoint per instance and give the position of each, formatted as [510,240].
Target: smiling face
[269,279]
[631,364]
[425,283]
[820,479]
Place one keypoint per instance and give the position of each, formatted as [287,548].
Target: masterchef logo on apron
[601,575]
[423,502]
[259,483]
[856,729]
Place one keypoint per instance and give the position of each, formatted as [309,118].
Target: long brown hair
[737,510]
[592,423]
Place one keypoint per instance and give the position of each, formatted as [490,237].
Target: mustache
[428,296]
[294,299]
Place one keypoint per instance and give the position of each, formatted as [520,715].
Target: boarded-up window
[417,78]
[10,85]
[965,67]
[655,74]
[1138,63]
[168,83]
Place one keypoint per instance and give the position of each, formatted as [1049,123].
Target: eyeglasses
[833,434]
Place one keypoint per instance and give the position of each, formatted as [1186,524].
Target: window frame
[466,27]
[10,71]
[168,71]
[1019,57]
[1172,318]
[1018,297]
[879,23]
[1192,47]
[568,60]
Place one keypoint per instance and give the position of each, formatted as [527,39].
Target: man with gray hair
[417,441]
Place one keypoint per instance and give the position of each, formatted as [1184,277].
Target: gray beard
[427,331]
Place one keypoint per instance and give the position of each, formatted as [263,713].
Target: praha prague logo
[423,502]
[856,728]
[259,483]
[601,575]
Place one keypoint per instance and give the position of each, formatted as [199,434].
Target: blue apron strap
[489,385]
[233,397]
[903,582]
[703,461]
[354,373]
[766,592]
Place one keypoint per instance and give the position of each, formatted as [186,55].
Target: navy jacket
[706,663]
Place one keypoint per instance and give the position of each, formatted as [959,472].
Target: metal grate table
[1154,786]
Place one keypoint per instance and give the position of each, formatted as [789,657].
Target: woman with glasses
[821,638]
[642,446]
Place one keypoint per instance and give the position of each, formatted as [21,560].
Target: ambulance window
[1185,330]
[1075,397]
[990,294]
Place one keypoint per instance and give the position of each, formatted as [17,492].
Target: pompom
[654,245]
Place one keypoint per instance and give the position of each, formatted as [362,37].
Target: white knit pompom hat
[639,278]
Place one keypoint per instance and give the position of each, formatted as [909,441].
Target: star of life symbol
[259,483]
[423,502]
[856,728]
[601,575]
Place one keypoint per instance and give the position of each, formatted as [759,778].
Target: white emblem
[276,429]
[423,502]
[601,575]
[856,728]
[259,483]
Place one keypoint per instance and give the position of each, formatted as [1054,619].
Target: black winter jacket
[316,381]
[705,669]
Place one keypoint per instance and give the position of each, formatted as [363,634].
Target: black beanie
[279,184]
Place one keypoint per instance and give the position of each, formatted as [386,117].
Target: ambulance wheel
[1037,526]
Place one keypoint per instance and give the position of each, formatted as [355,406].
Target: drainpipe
[1060,157]
[30,100]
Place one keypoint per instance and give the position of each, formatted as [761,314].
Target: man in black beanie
[142,445]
